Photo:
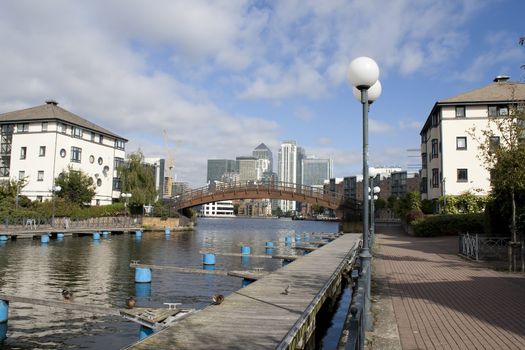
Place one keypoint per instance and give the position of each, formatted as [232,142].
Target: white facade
[46,140]
[449,140]
[218,209]
[287,170]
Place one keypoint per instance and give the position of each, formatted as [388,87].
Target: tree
[138,179]
[505,160]
[75,186]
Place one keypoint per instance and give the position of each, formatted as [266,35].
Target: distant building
[449,155]
[401,183]
[231,178]
[264,160]
[287,170]
[218,209]
[316,171]
[218,167]
[41,142]
[177,188]
[247,169]
[163,182]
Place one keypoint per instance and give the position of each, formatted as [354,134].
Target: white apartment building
[450,163]
[287,170]
[222,209]
[39,143]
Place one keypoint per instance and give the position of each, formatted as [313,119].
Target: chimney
[501,78]
[51,102]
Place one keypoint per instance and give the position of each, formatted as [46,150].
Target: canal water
[98,273]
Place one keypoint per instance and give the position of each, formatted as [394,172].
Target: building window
[100,161]
[100,139]
[92,159]
[423,160]
[424,137]
[42,151]
[461,143]
[502,111]
[77,132]
[460,111]
[44,126]
[117,185]
[22,127]
[462,175]
[435,178]
[21,174]
[435,119]
[23,152]
[62,128]
[434,148]
[92,136]
[493,143]
[119,144]
[118,162]
[39,198]
[40,176]
[63,153]
[76,154]
[493,111]
[99,182]
[424,185]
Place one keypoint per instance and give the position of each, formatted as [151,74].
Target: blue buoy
[167,231]
[246,250]
[298,238]
[288,240]
[269,251]
[269,244]
[208,267]
[142,290]
[3,332]
[245,261]
[138,234]
[142,275]
[208,259]
[44,239]
[4,310]
[145,332]
[105,234]
[3,238]
[96,236]
[60,236]
[246,282]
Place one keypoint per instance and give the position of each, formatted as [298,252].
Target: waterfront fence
[478,247]
[14,224]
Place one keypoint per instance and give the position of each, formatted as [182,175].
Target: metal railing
[33,224]
[479,247]
[269,187]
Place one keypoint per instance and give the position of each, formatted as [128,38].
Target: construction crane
[170,164]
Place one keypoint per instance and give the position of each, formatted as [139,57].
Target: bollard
[142,290]
[142,275]
[246,250]
[268,244]
[245,261]
[4,310]
[60,236]
[44,239]
[288,240]
[3,332]
[138,234]
[96,236]
[208,259]
[269,251]
[208,267]
[246,283]
[145,332]
[298,238]
[167,231]
[3,238]
[105,234]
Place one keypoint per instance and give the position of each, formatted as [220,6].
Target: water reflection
[98,273]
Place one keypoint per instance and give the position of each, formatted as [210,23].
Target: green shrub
[448,224]
[413,215]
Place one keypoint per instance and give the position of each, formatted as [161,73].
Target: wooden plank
[151,315]
[305,248]
[249,275]
[181,269]
[61,304]
[268,311]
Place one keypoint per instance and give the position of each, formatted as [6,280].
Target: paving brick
[442,301]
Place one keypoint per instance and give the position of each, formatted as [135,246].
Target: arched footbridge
[255,190]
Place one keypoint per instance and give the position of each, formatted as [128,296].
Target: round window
[100,161]
[99,182]
[63,153]
[91,159]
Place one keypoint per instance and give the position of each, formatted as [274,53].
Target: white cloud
[324,141]
[410,125]
[304,113]
[378,127]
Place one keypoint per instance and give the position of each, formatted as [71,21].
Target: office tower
[218,167]
[288,169]
[300,156]
[264,160]
[316,171]
[247,168]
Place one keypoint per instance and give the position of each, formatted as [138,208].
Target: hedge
[449,224]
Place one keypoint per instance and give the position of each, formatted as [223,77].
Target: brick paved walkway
[441,301]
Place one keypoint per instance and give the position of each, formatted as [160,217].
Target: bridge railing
[296,189]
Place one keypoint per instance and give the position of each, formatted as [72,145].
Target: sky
[198,80]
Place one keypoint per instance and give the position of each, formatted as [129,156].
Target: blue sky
[220,77]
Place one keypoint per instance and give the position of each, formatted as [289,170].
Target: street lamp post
[126,197]
[363,73]
[375,192]
[54,189]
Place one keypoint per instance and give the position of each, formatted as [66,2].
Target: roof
[495,92]
[52,111]
[262,146]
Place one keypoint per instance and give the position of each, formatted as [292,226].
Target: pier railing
[17,224]
[479,247]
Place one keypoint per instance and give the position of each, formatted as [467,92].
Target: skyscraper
[247,168]
[315,171]
[264,160]
[300,156]
[218,167]
[288,169]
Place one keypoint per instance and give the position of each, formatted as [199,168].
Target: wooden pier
[276,312]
